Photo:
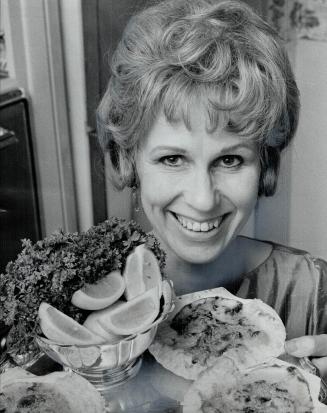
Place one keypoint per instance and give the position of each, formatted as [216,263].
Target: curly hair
[217,53]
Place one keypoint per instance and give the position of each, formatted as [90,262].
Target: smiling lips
[196,226]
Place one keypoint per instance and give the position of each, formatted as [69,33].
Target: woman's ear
[267,183]
[270,160]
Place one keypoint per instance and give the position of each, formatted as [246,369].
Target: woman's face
[197,189]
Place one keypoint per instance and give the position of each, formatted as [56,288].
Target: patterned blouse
[294,283]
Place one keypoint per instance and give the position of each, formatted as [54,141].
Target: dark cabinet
[19,212]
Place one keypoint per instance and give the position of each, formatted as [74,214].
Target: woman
[200,104]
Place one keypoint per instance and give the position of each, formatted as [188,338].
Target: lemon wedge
[101,294]
[59,327]
[141,273]
[128,317]
[92,323]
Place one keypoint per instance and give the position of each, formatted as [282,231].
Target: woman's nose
[202,192]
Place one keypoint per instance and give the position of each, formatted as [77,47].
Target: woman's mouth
[196,226]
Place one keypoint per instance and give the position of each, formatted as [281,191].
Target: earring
[135,199]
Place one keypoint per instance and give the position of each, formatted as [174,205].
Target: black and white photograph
[163,224]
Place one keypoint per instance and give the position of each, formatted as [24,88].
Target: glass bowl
[106,365]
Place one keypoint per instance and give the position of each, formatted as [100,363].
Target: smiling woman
[208,185]
[200,104]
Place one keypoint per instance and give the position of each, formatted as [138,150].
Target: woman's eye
[230,161]
[172,160]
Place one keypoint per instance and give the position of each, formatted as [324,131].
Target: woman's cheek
[242,189]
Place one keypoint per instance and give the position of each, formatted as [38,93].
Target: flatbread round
[207,324]
[266,388]
[55,392]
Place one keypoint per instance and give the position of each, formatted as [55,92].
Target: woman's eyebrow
[168,148]
[249,145]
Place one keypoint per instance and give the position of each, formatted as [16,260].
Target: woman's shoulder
[293,253]
[284,257]
[286,277]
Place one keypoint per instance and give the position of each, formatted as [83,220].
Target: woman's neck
[225,271]
[240,257]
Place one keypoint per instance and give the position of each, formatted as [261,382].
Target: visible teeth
[198,226]
[204,226]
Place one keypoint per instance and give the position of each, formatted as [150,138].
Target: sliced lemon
[58,327]
[92,323]
[126,318]
[141,273]
[101,294]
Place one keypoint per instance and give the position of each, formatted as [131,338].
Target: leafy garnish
[52,269]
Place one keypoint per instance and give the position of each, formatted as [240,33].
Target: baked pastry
[266,388]
[22,392]
[207,324]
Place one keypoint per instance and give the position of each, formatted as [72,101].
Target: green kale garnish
[52,269]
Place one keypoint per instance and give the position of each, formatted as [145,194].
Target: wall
[72,31]
[296,215]
[308,198]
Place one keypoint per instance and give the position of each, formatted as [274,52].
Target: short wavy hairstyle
[219,53]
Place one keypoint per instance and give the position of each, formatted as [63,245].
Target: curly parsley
[52,269]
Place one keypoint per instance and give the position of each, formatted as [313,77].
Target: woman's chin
[197,255]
